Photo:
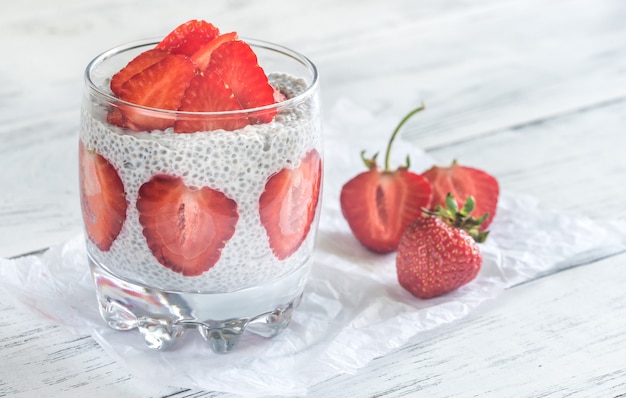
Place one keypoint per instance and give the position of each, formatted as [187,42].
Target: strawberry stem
[369,163]
[395,133]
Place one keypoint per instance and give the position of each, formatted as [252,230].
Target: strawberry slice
[160,86]
[288,203]
[379,204]
[202,57]
[462,182]
[208,93]
[185,227]
[102,197]
[187,38]
[237,64]
[144,60]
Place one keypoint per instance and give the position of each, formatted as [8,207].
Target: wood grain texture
[533,91]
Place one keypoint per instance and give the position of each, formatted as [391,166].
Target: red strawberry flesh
[379,205]
[185,227]
[138,64]
[462,182]
[103,199]
[209,93]
[161,86]
[187,38]
[159,77]
[237,64]
[203,55]
[287,205]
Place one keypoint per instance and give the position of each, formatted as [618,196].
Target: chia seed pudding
[237,163]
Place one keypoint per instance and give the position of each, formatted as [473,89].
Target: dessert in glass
[200,159]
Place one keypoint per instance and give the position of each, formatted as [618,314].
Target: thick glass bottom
[162,317]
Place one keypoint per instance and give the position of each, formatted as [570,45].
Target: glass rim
[290,102]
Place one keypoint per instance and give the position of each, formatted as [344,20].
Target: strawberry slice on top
[237,64]
[187,38]
[161,86]
[208,93]
[463,182]
[159,78]
[102,197]
[185,227]
[287,205]
[202,56]
[144,60]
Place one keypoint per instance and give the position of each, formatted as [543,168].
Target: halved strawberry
[189,37]
[144,60]
[237,64]
[462,182]
[102,196]
[288,203]
[208,93]
[185,227]
[203,55]
[379,204]
[160,86]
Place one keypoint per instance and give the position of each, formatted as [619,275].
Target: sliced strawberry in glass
[185,227]
[102,197]
[288,203]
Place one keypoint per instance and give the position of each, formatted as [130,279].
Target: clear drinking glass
[211,230]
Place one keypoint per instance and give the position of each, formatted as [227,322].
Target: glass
[210,230]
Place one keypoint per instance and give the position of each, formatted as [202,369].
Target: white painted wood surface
[533,91]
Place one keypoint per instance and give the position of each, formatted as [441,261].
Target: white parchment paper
[353,309]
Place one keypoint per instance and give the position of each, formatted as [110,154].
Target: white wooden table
[533,91]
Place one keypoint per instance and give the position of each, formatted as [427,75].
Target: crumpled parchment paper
[353,309]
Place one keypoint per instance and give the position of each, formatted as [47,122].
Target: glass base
[162,317]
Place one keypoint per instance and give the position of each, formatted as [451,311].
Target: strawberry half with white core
[379,204]
[185,227]
[438,253]
[287,205]
[102,197]
[463,182]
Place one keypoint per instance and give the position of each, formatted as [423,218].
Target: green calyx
[371,163]
[460,218]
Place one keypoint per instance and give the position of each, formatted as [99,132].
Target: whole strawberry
[438,253]
[380,204]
